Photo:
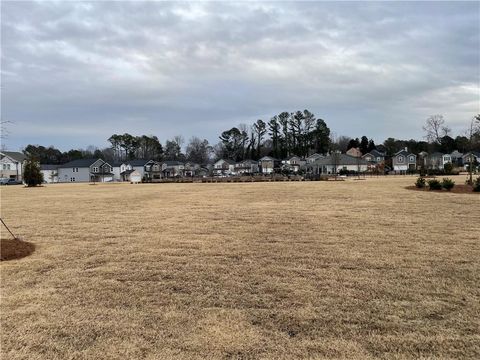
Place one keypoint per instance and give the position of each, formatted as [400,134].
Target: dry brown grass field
[354,269]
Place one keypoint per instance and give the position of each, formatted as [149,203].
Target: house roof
[404,153]
[248,161]
[456,153]
[79,163]
[377,153]
[48,167]
[268,158]
[137,162]
[475,153]
[14,155]
[172,162]
[228,161]
[340,159]
[126,172]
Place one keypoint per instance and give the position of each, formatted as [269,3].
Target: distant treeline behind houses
[298,133]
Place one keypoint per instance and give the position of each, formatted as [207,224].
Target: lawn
[354,269]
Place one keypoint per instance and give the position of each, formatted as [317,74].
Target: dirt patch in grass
[457,189]
[11,249]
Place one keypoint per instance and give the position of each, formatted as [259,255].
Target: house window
[400,159]
[412,158]
[72,179]
[95,169]
[6,166]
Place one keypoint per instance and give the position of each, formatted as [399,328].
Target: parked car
[7,181]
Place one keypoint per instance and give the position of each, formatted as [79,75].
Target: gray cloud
[73,73]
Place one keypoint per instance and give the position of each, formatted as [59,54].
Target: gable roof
[228,161]
[80,163]
[404,153]
[377,153]
[137,162]
[14,155]
[268,158]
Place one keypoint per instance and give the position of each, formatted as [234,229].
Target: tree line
[298,133]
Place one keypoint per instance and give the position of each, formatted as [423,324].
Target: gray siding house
[404,161]
[85,170]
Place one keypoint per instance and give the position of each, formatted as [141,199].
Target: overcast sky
[73,73]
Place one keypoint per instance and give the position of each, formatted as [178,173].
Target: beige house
[11,165]
[355,152]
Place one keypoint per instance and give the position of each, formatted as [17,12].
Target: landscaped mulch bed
[457,189]
[11,249]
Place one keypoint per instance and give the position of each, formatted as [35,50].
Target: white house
[247,167]
[335,163]
[50,173]
[11,164]
[268,164]
[224,167]
[446,159]
[85,170]
[312,158]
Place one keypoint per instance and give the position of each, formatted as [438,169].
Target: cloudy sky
[73,73]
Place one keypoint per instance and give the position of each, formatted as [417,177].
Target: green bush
[448,184]
[420,183]
[448,168]
[32,176]
[476,184]
[434,184]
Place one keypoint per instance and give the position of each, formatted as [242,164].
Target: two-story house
[50,173]
[374,156]
[355,152]
[247,167]
[11,164]
[224,167]
[268,165]
[312,158]
[404,161]
[85,170]
[172,168]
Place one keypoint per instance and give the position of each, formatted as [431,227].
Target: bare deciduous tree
[435,128]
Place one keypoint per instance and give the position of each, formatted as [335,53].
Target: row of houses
[97,170]
[404,160]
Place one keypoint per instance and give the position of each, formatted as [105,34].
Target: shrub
[448,168]
[434,184]
[420,183]
[476,184]
[448,184]
[31,173]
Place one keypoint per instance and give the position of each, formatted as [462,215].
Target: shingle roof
[48,167]
[79,163]
[377,153]
[340,159]
[172,162]
[137,162]
[15,155]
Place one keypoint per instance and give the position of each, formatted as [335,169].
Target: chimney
[406,149]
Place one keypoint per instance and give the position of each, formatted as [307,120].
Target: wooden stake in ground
[6,227]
